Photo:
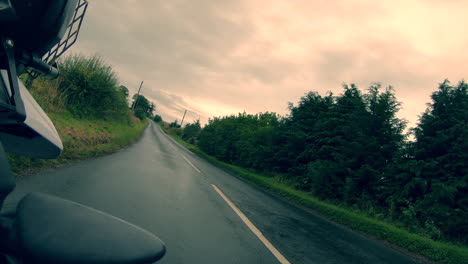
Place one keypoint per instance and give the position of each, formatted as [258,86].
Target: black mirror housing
[53,230]
[40,24]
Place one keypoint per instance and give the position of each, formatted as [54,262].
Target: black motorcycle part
[40,24]
[53,230]
[7,179]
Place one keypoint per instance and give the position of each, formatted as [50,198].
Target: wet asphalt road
[162,187]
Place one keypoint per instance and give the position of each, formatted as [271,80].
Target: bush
[191,131]
[157,118]
[142,107]
[174,124]
[90,87]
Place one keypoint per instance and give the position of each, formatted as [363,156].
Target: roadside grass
[437,251]
[81,138]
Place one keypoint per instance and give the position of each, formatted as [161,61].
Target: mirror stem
[8,47]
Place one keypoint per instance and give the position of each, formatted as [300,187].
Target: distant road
[203,214]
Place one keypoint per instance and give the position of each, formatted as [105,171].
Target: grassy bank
[434,250]
[84,136]
[82,139]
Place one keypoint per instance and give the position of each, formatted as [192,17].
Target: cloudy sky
[220,57]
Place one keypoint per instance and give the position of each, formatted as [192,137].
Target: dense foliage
[174,124]
[90,88]
[432,176]
[191,132]
[157,118]
[350,149]
[143,107]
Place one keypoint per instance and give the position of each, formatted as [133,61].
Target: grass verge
[82,139]
[441,252]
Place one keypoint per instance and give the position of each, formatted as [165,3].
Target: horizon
[216,59]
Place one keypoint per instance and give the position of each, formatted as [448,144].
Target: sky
[216,58]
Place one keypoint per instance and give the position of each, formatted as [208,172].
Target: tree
[174,124]
[157,118]
[191,131]
[142,107]
[441,150]
[124,90]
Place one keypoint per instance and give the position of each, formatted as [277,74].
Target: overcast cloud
[220,57]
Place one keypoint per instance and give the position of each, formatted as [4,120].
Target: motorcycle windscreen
[36,137]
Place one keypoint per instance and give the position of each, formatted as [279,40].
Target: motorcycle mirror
[7,12]
[39,24]
[34,137]
[52,230]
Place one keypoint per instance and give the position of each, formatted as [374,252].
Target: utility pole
[138,96]
[183,119]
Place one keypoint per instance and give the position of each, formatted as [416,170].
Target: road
[202,213]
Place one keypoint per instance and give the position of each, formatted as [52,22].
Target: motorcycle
[44,228]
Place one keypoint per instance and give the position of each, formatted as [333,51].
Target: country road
[203,214]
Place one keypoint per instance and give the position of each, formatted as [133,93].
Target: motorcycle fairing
[36,137]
